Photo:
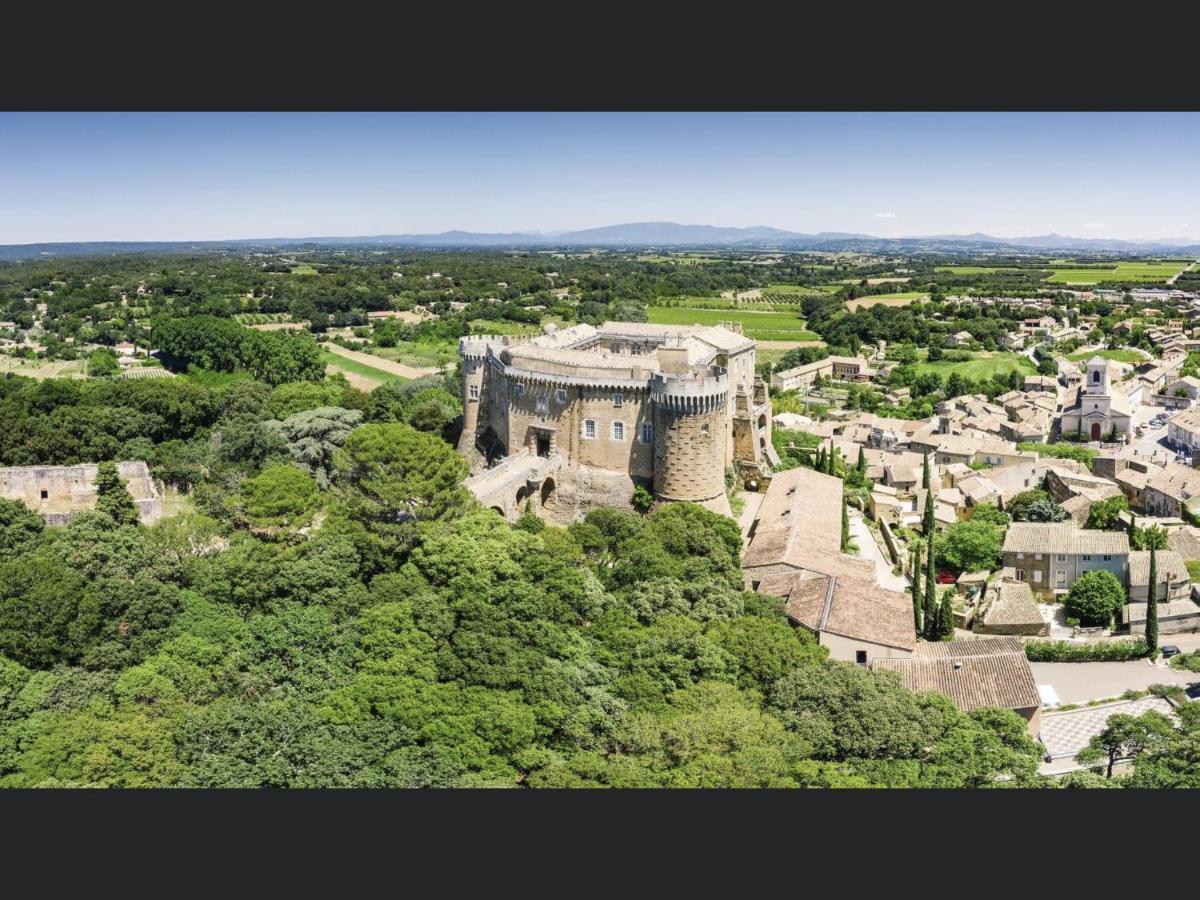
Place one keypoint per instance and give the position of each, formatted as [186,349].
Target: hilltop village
[482,518]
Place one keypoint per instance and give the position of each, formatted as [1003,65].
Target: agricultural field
[981,366]
[1134,270]
[685,260]
[419,356]
[775,326]
[1124,355]
[902,298]
[42,368]
[978,270]
[304,270]
[360,375]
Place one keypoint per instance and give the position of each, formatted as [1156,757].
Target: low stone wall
[58,491]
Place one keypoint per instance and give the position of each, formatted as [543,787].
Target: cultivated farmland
[776,326]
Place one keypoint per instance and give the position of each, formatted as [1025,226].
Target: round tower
[473,353]
[689,436]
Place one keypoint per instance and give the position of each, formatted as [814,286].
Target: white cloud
[885,215]
[1094,226]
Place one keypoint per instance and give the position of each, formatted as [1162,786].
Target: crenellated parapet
[691,393]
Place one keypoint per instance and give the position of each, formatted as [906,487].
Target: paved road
[869,549]
[1079,682]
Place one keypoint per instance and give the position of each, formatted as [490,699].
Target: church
[1097,412]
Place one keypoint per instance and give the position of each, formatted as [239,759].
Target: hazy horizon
[230,176]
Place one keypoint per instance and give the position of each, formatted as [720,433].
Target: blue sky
[207,176]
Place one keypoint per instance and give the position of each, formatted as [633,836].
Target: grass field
[421,356]
[801,289]
[685,260]
[772,326]
[1122,356]
[1136,270]
[981,366]
[902,298]
[303,270]
[354,367]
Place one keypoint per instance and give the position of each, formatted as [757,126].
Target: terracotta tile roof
[1063,537]
[1184,542]
[972,673]
[800,514]
[1170,565]
[849,604]
[1013,605]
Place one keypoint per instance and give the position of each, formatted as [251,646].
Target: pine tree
[925,471]
[918,612]
[931,604]
[111,496]
[1152,605]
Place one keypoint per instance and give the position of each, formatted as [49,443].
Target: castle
[577,418]
[58,491]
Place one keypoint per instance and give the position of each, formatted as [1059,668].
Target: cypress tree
[1132,530]
[918,612]
[931,604]
[1152,605]
[925,471]
[845,525]
[861,465]
[821,459]
[927,521]
[1000,502]
[946,617]
[112,497]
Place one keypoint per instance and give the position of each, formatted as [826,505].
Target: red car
[944,577]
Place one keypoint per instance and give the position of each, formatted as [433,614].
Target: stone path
[868,548]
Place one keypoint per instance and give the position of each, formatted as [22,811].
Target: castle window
[1096,377]
[589,429]
[560,396]
[647,433]
[704,429]
[474,392]
[618,399]
[543,404]
[618,431]
[519,390]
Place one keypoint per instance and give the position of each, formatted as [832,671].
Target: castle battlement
[619,405]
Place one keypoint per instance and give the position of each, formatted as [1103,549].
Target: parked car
[1170,650]
[1193,690]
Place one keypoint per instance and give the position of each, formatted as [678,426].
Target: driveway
[1080,682]
[869,549]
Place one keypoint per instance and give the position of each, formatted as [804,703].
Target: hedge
[1070,651]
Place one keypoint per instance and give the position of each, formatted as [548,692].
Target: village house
[1050,556]
[960,339]
[1169,491]
[1009,608]
[984,672]
[1183,430]
[794,552]
[837,368]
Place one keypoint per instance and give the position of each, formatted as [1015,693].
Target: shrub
[1095,598]
[1189,662]
[1070,651]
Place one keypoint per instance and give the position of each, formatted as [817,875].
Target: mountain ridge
[628,235]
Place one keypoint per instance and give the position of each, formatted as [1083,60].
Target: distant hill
[629,235]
